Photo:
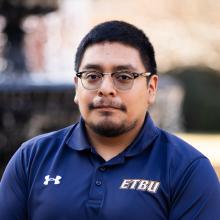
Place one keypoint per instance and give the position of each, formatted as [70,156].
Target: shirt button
[102,169]
[98,183]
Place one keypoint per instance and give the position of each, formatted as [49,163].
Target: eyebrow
[124,67]
[115,68]
[92,66]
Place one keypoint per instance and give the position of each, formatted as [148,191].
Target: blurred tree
[201,105]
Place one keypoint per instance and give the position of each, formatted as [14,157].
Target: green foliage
[201,106]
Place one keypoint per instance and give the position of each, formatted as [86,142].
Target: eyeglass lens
[121,80]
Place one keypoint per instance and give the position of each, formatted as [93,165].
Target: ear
[152,88]
[76,90]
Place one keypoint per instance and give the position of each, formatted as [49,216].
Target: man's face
[108,111]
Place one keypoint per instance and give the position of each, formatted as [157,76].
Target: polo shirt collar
[79,141]
[145,138]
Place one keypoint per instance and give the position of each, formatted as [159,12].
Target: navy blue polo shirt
[60,176]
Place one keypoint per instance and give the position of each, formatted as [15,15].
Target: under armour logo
[49,179]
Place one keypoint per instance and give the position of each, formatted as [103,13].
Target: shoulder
[51,139]
[41,147]
[36,153]
[177,149]
[185,163]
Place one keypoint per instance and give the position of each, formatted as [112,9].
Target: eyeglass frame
[135,75]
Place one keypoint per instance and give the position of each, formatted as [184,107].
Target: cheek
[137,105]
[83,102]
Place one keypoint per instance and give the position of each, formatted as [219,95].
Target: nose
[107,87]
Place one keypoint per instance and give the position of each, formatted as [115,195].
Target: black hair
[122,32]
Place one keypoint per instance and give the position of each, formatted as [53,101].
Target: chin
[110,128]
[108,118]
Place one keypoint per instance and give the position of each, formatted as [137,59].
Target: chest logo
[50,179]
[140,184]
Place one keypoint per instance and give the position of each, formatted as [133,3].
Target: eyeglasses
[122,80]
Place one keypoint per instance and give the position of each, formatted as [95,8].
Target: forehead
[112,54]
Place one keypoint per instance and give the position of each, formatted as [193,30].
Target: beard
[108,128]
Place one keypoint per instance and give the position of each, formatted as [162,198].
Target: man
[115,163]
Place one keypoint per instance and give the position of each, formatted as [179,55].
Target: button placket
[99,176]
[96,194]
[102,169]
[98,183]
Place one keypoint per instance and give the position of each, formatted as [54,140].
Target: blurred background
[38,40]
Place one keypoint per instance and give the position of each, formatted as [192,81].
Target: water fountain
[27,108]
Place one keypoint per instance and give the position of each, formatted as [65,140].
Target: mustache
[105,103]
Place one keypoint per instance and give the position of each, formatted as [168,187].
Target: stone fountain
[27,108]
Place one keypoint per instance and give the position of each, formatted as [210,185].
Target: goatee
[111,129]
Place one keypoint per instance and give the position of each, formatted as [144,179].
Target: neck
[109,147]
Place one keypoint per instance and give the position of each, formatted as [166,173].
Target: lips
[106,107]
[107,104]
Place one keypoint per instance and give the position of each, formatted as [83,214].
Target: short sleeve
[197,193]
[13,190]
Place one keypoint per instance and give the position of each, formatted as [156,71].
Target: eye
[92,76]
[124,76]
